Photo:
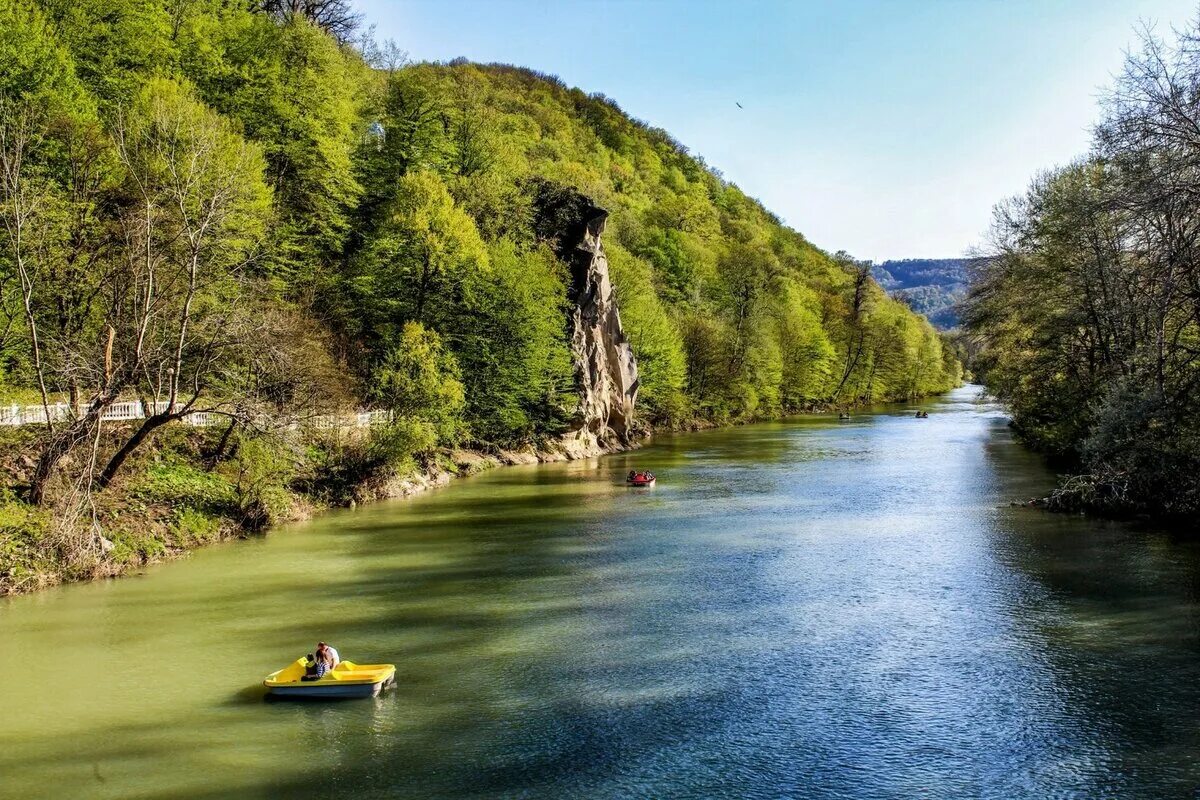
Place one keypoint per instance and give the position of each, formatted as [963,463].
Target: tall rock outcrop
[606,374]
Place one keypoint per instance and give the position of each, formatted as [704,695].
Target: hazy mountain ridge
[930,286]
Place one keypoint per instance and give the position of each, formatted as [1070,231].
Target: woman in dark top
[324,662]
[315,666]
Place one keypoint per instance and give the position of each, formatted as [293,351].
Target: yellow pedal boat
[347,679]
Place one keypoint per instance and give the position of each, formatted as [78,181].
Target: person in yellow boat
[317,665]
[335,659]
[310,668]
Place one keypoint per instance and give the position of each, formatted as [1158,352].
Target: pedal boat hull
[347,679]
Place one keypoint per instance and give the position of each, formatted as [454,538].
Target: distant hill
[930,286]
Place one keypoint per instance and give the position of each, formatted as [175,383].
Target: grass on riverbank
[170,505]
[179,495]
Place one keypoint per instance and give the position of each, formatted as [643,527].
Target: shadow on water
[1119,628]
[248,695]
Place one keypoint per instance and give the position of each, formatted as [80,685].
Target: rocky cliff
[606,374]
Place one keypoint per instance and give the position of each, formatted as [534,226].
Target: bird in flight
[736,103]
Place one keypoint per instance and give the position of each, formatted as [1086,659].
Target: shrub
[23,530]
[341,469]
[260,472]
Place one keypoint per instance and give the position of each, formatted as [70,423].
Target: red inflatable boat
[641,479]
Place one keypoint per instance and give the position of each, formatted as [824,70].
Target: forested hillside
[930,286]
[1089,314]
[240,209]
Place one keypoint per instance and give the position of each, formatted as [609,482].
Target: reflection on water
[799,609]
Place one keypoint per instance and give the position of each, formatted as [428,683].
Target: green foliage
[662,366]
[400,195]
[710,359]
[807,356]
[259,474]
[1087,311]
[116,45]
[933,287]
[193,527]
[419,380]
[135,546]
[404,134]
[221,203]
[685,267]
[731,315]
[33,64]
[420,266]
[512,346]
[176,482]
[393,448]
[341,470]
[23,529]
[198,163]
[297,94]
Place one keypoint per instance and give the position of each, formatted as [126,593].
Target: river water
[800,609]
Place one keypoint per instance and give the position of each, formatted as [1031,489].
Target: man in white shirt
[332,652]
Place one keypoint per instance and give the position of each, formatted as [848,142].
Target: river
[804,608]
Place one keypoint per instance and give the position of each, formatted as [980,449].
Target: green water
[799,609]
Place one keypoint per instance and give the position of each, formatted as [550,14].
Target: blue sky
[885,128]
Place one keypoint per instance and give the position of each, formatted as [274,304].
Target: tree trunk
[422,288]
[63,442]
[149,426]
[851,363]
[60,444]
[219,452]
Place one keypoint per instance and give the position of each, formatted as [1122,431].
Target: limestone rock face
[606,374]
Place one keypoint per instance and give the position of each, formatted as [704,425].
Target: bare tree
[385,56]
[336,17]
[25,210]
[193,209]
[199,203]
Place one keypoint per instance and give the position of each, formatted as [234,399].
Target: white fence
[15,415]
[354,419]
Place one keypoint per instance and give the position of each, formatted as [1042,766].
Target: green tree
[420,266]
[299,95]
[198,206]
[511,342]
[405,133]
[656,342]
[419,380]
[115,45]
[34,66]
[806,354]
